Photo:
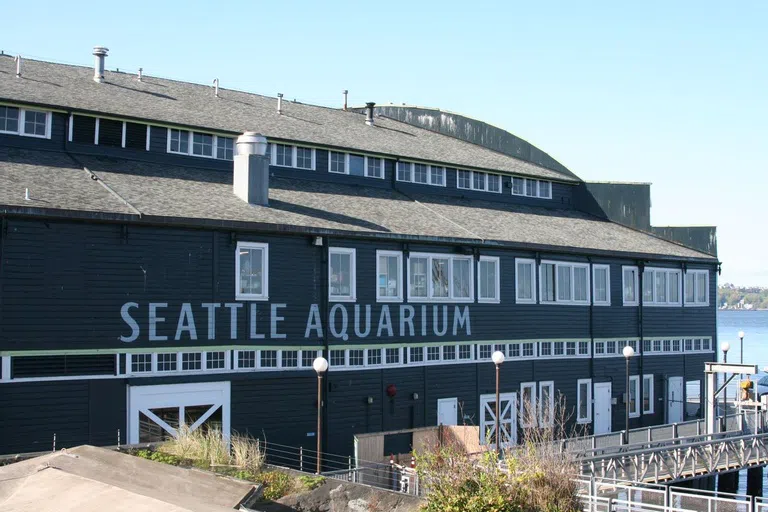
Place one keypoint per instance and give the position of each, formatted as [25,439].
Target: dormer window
[474,180]
[204,145]
[26,122]
[421,173]
[531,188]
[355,165]
[284,155]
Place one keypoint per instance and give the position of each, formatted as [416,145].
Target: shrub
[247,453]
[311,482]
[276,484]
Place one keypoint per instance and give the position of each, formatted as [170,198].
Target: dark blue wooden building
[138,291]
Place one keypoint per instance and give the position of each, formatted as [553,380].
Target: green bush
[165,458]
[276,484]
[311,482]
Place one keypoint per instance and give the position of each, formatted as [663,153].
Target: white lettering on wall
[154,320]
[186,323]
[128,319]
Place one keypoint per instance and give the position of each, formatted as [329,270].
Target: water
[755,327]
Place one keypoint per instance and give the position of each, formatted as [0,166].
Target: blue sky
[672,93]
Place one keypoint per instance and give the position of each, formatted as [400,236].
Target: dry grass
[208,447]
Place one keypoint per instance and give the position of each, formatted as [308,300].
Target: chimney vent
[18,66]
[279,103]
[139,77]
[251,179]
[345,93]
[216,87]
[100,52]
[369,113]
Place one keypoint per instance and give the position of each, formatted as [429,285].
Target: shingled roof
[172,102]
[63,185]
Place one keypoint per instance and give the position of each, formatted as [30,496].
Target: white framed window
[289,359]
[216,360]
[141,363]
[308,357]
[440,277]
[373,357]
[648,396]
[25,121]
[424,174]
[531,188]
[484,352]
[488,280]
[392,355]
[528,404]
[525,281]
[268,358]
[476,180]
[356,357]
[245,359]
[633,396]
[661,287]
[167,362]
[355,165]
[252,271]
[191,361]
[601,285]
[584,401]
[341,274]
[629,285]
[697,288]
[205,145]
[564,283]
[546,404]
[337,162]
[337,358]
[389,276]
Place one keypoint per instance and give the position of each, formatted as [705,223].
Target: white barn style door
[507,420]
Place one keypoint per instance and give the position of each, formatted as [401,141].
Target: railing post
[349,467]
[118,439]
[301,458]
[674,431]
[54,441]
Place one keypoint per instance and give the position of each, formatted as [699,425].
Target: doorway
[602,408]
[507,419]
[155,413]
[675,402]
[447,411]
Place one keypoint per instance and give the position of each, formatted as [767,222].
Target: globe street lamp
[628,352]
[321,366]
[725,347]
[498,358]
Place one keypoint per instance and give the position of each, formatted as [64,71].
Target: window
[290,359]
[337,162]
[697,287]
[389,269]
[545,348]
[440,277]
[634,384]
[356,357]
[484,351]
[528,404]
[374,167]
[629,285]
[648,397]
[433,353]
[374,356]
[421,173]
[308,358]
[449,352]
[246,359]
[584,401]
[200,144]
[599,348]
[284,155]
[531,188]
[482,181]
[338,358]
[661,287]
[416,355]
[488,279]
[268,358]
[601,291]
[252,271]
[392,355]
[546,404]
[354,165]
[225,148]
[525,281]
[583,348]
[564,283]
[139,362]
[191,361]
[558,348]
[341,274]
[166,362]
[465,352]
[529,349]
[27,122]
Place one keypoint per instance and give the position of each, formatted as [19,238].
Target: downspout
[641,344]
[591,325]
[324,330]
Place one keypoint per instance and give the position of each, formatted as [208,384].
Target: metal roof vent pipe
[369,113]
[279,103]
[251,179]
[216,87]
[100,52]
[345,93]
[18,66]
[139,77]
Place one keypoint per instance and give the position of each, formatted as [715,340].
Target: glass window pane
[601,285]
[337,162]
[374,169]
[341,275]
[419,173]
[34,122]
[580,284]
[9,119]
[224,148]
[530,188]
[440,272]
[629,285]
[202,144]
[690,292]
[518,185]
[525,280]
[356,165]
[478,180]
[304,158]
[583,397]
[487,279]
[437,176]
[563,282]
[389,276]
[494,183]
[661,286]
[284,155]
[701,288]
[418,277]
[251,268]
[544,189]
[461,280]
[674,286]
[463,179]
[404,171]
[548,282]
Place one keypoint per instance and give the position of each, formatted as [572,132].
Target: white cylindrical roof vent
[252,143]
[369,113]
[100,53]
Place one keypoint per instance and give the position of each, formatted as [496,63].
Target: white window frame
[411,172]
[534,274]
[352,274]
[294,157]
[638,392]
[536,187]
[572,265]
[636,285]
[588,398]
[485,181]
[533,419]
[550,407]
[607,269]
[264,271]
[190,136]
[430,292]
[695,273]
[399,256]
[346,164]
[651,398]
[21,122]
[497,262]
[652,271]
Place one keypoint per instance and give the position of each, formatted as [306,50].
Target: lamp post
[725,347]
[320,365]
[628,352]
[498,358]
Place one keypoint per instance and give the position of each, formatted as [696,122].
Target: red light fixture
[391,391]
